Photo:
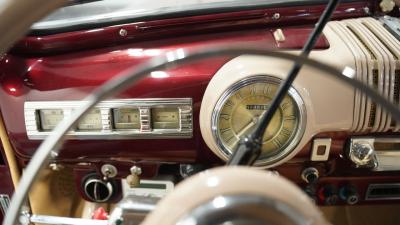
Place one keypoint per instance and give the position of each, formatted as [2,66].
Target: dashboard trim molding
[184,106]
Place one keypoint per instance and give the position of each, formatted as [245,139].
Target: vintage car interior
[200,112]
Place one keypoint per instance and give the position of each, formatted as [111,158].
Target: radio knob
[349,194]
[362,154]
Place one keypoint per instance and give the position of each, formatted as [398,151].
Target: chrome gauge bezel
[108,129]
[294,139]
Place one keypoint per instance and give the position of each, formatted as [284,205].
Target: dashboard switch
[321,148]
[328,194]
[310,175]
[349,194]
[133,179]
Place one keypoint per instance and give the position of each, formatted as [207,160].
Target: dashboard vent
[377,57]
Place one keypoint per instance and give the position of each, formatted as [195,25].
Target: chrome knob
[310,175]
[362,154]
[98,190]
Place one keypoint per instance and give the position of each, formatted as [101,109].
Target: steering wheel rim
[50,147]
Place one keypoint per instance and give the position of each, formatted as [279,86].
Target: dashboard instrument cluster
[239,109]
[196,113]
[114,119]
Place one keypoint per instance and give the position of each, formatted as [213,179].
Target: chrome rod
[58,220]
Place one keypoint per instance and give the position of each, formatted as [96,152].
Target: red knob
[100,214]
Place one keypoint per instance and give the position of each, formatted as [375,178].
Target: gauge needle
[246,128]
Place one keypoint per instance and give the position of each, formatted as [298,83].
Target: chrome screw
[276,16]
[123,32]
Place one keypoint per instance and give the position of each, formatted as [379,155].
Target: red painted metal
[190,25]
[72,76]
[51,68]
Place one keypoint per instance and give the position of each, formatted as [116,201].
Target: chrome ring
[293,140]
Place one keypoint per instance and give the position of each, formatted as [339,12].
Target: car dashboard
[333,141]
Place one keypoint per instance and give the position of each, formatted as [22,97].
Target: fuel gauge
[165,118]
[126,118]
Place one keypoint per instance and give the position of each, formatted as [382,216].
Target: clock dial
[240,110]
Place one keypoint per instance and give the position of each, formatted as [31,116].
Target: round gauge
[239,109]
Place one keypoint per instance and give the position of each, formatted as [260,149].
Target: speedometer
[239,109]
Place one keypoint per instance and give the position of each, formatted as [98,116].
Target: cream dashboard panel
[329,103]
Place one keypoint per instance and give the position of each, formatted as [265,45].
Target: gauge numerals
[240,109]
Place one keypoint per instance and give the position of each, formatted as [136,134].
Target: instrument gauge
[126,118]
[165,118]
[49,118]
[91,121]
[239,109]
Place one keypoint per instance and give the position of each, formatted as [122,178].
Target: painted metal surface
[189,25]
[72,76]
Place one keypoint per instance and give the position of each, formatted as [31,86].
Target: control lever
[133,179]
[249,148]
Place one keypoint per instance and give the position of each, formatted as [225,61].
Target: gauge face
[240,110]
[49,118]
[165,118]
[91,121]
[126,118]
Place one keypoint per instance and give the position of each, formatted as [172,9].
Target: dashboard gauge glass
[49,118]
[165,118]
[240,108]
[91,121]
[126,118]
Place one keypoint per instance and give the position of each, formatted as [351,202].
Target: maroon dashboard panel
[189,25]
[69,66]
[72,76]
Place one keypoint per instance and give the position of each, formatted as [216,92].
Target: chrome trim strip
[295,139]
[372,187]
[184,105]
[58,220]
[4,203]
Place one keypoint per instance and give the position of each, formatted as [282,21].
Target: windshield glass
[108,11]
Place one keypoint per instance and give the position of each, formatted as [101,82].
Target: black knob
[328,194]
[349,194]
[310,191]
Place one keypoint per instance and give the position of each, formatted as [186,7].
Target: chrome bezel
[294,140]
[108,131]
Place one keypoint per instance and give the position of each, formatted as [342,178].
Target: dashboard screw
[123,32]
[366,10]
[276,16]
[55,166]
